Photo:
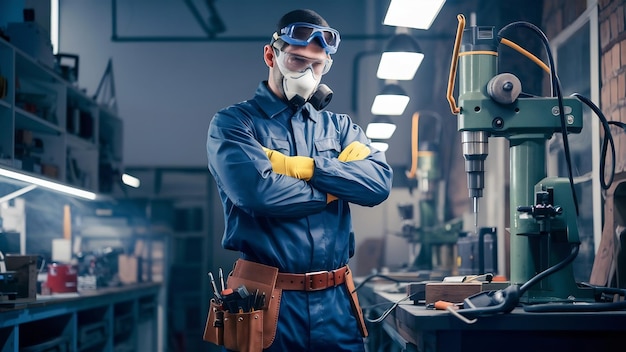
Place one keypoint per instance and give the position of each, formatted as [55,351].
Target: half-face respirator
[301,79]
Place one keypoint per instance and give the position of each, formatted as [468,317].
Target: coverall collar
[273,106]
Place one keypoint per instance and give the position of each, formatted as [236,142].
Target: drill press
[543,227]
[431,242]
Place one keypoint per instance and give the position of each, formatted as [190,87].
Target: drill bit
[475,215]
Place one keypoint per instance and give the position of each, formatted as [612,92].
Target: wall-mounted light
[131,181]
[418,14]
[381,127]
[401,58]
[47,184]
[391,101]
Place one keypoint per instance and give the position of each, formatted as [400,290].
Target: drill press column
[527,167]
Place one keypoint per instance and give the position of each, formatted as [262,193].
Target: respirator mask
[301,79]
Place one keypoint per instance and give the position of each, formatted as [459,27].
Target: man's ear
[268,55]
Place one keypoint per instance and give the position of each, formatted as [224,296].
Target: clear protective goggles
[297,63]
[302,33]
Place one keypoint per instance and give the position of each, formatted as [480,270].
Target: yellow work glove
[294,166]
[354,151]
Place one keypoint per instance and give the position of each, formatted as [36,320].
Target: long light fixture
[54,25]
[391,101]
[381,127]
[401,58]
[48,184]
[418,14]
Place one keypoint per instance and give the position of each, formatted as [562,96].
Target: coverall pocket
[328,147]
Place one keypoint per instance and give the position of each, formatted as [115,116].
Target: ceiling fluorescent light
[401,58]
[380,128]
[131,181]
[48,184]
[17,193]
[54,25]
[382,146]
[391,101]
[418,14]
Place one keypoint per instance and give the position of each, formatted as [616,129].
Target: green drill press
[431,243]
[543,227]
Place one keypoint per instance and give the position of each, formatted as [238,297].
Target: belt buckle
[316,281]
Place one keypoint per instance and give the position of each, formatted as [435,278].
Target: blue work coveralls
[285,222]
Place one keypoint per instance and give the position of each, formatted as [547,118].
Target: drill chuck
[475,170]
[475,151]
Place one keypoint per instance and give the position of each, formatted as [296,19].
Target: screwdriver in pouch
[216,293]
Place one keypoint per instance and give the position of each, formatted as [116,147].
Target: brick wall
[558,14]
[613,105]
[613,70]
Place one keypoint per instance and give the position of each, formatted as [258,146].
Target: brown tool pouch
[354,301]
[247,331]
[214,328]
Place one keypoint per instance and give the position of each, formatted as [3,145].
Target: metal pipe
[527,167]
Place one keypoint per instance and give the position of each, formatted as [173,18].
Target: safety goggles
[297,63]
[301,34]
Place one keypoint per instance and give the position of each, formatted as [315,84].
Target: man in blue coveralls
[286,171]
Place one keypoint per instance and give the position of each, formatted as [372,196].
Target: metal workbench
[415,328]
[108,319]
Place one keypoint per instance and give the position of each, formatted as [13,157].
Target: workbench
[413,327]
[106,319]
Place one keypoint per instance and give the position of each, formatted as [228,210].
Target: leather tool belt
[321,280]
[314,281]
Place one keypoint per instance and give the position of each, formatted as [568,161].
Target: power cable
[556,89]
[608,140]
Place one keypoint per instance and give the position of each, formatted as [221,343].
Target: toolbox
[22,285]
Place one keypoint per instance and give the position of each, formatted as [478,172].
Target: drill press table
[415,328]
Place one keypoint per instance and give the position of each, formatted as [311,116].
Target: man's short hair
[301,15]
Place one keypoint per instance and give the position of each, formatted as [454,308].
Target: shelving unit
[50,128]
[177,199]
[112,319]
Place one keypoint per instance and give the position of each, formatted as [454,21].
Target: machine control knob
[504,88]
[541,211]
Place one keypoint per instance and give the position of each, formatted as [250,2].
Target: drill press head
[476,71]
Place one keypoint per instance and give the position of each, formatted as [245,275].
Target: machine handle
[414,145]
[453,64]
